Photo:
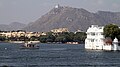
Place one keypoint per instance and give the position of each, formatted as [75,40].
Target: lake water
[56,55]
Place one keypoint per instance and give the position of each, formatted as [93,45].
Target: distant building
[78,31]
[6,34]
[72,43]
[43,33]
[95,40]
[60,30]
[57,6]
[21,33]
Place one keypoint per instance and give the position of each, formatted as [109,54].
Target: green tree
[12,38]
[34,38]
[2,38]
[50,37]
[60,39]
[43,39]
[66,36]
[80,37]
[111,30]
[21,38]
[118,36]
[47,38]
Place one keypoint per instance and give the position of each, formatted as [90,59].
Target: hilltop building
[96,40]
[57,6]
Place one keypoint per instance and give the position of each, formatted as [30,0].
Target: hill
[73,19]
[12,26]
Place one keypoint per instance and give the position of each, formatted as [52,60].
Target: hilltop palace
[96,40]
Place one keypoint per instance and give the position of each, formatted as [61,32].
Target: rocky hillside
[12,26]
[73,19]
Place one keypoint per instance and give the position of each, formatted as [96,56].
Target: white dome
[57,6]
[115,40]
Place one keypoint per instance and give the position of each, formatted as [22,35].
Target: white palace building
[95,40]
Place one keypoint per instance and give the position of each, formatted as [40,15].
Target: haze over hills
[12,26]
[68,17]
[73,19]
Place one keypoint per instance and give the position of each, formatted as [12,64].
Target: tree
[34,38]
[111,30]
[50,37]
[12,38]
[118,37]
[43,39]
[60,39]
[80,37]
[47,38]
[65,37]
[2,38]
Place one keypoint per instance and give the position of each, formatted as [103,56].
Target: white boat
[30,45]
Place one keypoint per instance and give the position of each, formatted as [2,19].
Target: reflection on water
[56,55]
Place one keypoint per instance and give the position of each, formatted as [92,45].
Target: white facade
[95,39]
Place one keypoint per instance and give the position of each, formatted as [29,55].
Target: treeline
[51,37]
[21,38]
[63,37]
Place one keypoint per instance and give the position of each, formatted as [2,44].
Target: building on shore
[72,43]
[21,33]
[60,30]
[96,40]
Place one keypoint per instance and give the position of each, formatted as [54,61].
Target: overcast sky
[26,11]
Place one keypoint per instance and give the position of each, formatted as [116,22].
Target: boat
[30,45]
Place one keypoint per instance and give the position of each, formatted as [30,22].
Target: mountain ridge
[12,26]
[73,19]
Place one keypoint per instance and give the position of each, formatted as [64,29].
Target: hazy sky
[26,11]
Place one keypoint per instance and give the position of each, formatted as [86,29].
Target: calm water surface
[56,55]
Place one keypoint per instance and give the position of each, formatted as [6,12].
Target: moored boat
[30,45]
